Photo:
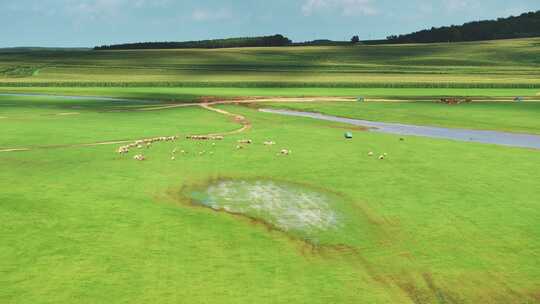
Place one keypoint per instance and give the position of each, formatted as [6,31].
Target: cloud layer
[95,22]
[345,7]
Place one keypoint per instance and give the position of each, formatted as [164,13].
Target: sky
[87,23]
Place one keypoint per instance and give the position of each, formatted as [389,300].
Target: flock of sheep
[243,142]
[381,157]
[139,144]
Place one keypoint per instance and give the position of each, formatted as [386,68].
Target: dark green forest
[275,40]
[523,26]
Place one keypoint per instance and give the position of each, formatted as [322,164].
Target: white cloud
[460,5]
[94,8]
[149,3]
[211,15]
[346,7]
[107,8]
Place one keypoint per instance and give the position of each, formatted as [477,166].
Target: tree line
[263,41]
[523,26]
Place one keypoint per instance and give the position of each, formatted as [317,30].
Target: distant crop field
[505,63]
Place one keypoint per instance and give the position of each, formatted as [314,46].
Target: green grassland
[506,63]
[437,221]
[87,225]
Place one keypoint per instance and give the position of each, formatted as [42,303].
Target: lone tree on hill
[355,39]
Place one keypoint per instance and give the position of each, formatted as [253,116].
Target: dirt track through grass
[246,125]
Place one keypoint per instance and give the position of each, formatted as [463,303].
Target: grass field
[84,224]
[483,64]
[436,221]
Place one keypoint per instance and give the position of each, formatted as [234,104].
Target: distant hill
[523,26]
[264,41]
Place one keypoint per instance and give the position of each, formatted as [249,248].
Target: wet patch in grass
[290,208]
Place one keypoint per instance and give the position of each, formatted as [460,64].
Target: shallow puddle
[288,207]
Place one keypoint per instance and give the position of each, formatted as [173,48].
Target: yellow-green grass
[436,222]
[514,117]
[193,93]
[485,64]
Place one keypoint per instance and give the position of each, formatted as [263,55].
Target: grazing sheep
[269,143]
[370,153]
[203,137]
[381,157]
[139,157]
[196,137]
[285,152]
[245,141]
[173,158]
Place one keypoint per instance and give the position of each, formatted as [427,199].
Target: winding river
[479,136]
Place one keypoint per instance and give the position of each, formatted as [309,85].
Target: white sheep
[139,157]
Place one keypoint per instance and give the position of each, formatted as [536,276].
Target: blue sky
[74,23]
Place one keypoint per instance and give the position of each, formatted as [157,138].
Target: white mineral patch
[284,206]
